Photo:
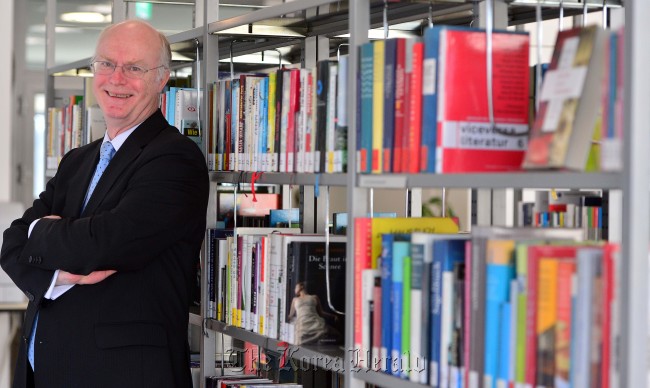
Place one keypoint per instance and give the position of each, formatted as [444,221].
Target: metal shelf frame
[279,178]
[356,19]
[324,357]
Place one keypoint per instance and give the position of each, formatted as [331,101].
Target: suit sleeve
[32,281]
[164,200]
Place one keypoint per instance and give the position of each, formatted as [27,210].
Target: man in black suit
[107,254]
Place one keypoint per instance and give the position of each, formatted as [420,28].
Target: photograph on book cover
[314,319]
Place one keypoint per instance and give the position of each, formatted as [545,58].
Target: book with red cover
[400,104]
[414,129]
[569,101]
[535,254]
[466,140]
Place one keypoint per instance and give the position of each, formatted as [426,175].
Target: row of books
[244,381]
[568,209]
[274,281]
[504,307]
[71,126]
[424,104]
[180,106]
[291,120]
[413,112]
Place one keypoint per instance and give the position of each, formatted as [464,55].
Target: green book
[406,318]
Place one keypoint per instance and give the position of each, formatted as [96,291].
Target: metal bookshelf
[530,179]
[323,357]
[279,178]
[303,20]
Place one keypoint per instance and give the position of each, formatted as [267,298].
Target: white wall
[6,64]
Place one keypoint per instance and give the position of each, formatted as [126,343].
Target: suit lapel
[123,158]
[86,170]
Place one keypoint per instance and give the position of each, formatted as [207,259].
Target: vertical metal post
[119,11]
[636,204]
[359,24]
[208,11]
[484,199]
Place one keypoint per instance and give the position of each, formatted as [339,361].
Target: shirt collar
[121,138]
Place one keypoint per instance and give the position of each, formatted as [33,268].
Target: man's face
[128,101]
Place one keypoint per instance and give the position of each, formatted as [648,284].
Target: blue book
[364,141]
[284,218]
[386,265]
[400,251]
[505,357]
[446,253]
[390,59]
[613,74]
[263,158]
[171,105]
[386,301]
[498,277]
[430,76]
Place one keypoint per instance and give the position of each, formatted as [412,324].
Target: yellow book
[378,106]
[547,309]
[381,226]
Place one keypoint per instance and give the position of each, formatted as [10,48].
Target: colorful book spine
[390,59]
[378,105]
[364,140]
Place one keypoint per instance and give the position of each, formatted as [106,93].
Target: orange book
[565,272]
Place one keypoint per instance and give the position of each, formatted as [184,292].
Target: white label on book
[429,76]
[383,181]
[480,135]
[561,84]
[473,379]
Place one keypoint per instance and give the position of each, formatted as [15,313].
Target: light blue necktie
[106,153]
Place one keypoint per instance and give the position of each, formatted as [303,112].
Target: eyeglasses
[130,71]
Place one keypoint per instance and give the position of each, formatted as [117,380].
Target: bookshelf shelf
[383,379]
[495,181]
[279,178]
[72,68]
[325,357]
[264,14]
[196,320]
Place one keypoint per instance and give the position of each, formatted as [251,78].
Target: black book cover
[309,308]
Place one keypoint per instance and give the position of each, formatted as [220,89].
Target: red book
[412,148]
[569,105]
[611,251]
[535,254]
[362,248]
[466,139]
[406,122]
[400,104]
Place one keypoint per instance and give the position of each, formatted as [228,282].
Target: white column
[6,63]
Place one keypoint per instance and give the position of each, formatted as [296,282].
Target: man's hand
[67,278]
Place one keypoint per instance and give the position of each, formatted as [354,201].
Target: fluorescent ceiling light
[180,57]
[270,58]
[85,17]
[378,33]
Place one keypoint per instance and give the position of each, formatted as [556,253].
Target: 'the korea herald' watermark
[292,358]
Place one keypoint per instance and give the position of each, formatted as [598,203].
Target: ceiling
[75,41]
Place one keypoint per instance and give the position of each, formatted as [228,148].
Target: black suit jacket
[146,219]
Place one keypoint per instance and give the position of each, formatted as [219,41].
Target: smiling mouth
[117,95]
